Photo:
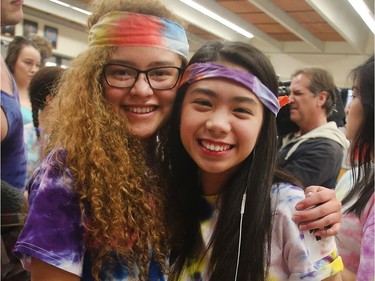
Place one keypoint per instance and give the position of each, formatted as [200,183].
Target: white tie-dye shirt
[295,254]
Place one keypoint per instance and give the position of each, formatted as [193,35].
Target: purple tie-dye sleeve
[53,232]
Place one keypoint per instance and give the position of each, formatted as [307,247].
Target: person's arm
[320,211]
[336,277]
[4,125]
[41,271]
[347,275]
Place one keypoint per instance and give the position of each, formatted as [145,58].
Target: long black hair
[362,146]
[256,175]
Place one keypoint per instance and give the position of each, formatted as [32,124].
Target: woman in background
[355,240]
[24,61]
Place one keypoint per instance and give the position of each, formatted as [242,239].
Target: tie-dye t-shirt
[295,254]
[355,241]
[53,232]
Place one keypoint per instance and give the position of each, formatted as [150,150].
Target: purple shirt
[53,232]
[13,153]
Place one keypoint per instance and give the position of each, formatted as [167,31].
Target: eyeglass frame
[180,71]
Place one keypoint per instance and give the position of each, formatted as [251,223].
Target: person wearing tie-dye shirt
[237,206]
[355,240]
[99,206]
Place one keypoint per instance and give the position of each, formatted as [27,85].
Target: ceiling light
[60,3]
[218,18]
[70,6]
[81,10]
[364,12]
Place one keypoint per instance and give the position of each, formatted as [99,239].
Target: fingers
[319,223]
[331,231]
[316,195]
[321,212]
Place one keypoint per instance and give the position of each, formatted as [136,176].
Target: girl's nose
[35,68]
[141,87]
[346,109]
[218,123]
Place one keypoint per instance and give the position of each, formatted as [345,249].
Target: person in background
[41,91]
[105,157]
[13,158]
[237,207]
[13,155]
[45,48]
[315,153]
[355,240]
[23,59]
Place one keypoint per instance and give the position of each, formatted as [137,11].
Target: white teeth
[214,147]
[140,109]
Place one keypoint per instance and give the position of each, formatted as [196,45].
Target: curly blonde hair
[121,200]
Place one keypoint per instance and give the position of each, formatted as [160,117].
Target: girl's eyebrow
[242,99]
[205,91]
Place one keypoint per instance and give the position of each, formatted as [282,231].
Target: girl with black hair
[223,146]
[355,240]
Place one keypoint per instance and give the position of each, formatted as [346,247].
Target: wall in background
[339,65]
[72,40]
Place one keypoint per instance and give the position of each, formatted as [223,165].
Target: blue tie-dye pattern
[174,38]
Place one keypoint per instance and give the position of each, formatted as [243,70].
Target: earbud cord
[240,235]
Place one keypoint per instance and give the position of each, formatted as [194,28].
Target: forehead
[145,56]
[29,51]
[224,89]
[300,80]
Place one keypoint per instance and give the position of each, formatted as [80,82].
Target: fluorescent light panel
[364,12]
[218,18]
[70,6]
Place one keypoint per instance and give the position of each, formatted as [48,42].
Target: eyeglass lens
[121,76]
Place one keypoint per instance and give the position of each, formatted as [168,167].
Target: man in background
[315,152]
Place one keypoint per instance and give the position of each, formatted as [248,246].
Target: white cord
[240,235]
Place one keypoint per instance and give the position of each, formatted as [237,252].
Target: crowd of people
[148,165]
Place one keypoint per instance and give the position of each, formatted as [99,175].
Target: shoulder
[51,178]
[286,195]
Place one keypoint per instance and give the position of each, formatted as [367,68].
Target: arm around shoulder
[4,125]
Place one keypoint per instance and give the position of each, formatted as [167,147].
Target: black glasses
[159,78]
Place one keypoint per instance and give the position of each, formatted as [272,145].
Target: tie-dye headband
[199,71]
[132,29]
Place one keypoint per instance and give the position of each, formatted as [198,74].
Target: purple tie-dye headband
[199,71]
[132,29]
